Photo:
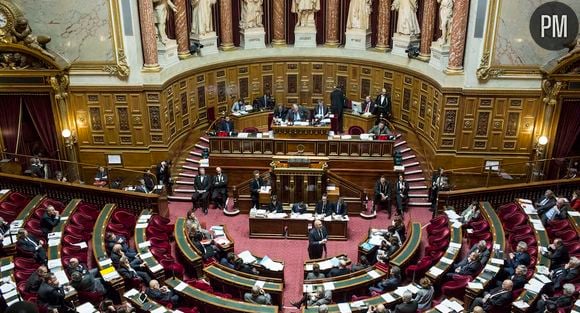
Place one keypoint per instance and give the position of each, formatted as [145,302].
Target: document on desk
[4,288]
[574,213]
[475,285]
[181,286]
[259,283]
[131,293]
[144,244]
[328,285]
[10,266]
[54,263]
[86,308]
[435,271]
[446,260]
[160,309]
[344,307]
[388,297]
[452,214]
[156,268]
[374,274]
[247,257]
[521,304]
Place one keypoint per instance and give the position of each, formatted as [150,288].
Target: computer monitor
[356,107]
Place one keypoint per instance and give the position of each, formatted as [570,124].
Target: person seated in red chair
[520,256]
[567,273]
[111,239]
[207,251]
[380,130]
[87,283]
[51,296]
[258,296]
[408,305]
[127,271]
[30,244]
[519,278]
[49,219]
[36,278]
[470,213]
[565,300]
[575,202]
[497,298]
[468,266]
[75,266]
[481,248]
[161,293]
[390,283]
[546,202]
[101,178]
[558,253]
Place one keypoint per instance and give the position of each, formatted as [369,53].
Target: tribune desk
[295,228]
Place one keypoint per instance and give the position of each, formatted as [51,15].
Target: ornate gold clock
[8,15]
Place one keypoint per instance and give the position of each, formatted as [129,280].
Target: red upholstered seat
[250,130]
[125,218]
[456,287]
[481,226]
[59,206]
[573,248]
[439,221]
[87,209]
[507,209]
[9,207]
[25,263]
[567,235]
[78,231]
[420,268]
[18,198]
[355,130]
[514,220]
[33,227]
[22,290]
[119,229]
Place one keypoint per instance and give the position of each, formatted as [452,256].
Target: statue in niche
[251,14]
[445,15]
[23,34]
[202,20]
[407,23]
[358,14]
[305,10]
[160,7]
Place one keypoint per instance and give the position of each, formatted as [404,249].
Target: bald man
[496,298]
[317,239]
[219,188]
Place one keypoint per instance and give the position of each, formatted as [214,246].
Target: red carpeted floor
[294,252]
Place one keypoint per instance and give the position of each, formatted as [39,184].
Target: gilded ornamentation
[201,96]
[59,85]
[20,61]
[22,34]
[423,106]
[485,71]
[123,114]
[482,123]
[95,114]
[109,120]
[406,99]
[121,69]
[154,117]
[137,120]
[467,123]
[512,124]
[551,90]
[450,117]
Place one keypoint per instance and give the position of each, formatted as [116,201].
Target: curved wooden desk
[23,216]
[142,247]
[209,303]
[150,305]
[324,269]
[8,275]
[237,283]
[489,271]
[186,249]
[346,285]
[439,269]
[409,248]
[53,252]
[106,267]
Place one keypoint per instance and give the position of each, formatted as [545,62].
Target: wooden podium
[301,131]
[299,178]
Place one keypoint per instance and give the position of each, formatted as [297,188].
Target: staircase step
[195,153]
[418,187]
[411,164]
[188,167]
[403,151]
[205,139]
[179,198]
[418,195]
[400,143]
[184,182]
[413,172]
[201,145]
[409,157]
[427,204]
[415,180]
[182,174]
[193,161]
[184,190]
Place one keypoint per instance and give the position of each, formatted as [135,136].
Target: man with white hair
[317,239]
[497,298]
[519,257]
[408,305]
[258,296]
[323,309]
[566,299]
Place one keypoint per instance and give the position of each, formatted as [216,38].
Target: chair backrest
[355,130]
[250,130]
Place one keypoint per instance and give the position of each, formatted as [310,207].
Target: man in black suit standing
[323,206]
[402,192]
[339,208]
[266,101]
[255,186]
[219,188]
[275,206]
[226,125]
[436,184]
[337,100]
[50,219]
[382,194]
[317,239]
[496,298]
[201,184]
[383,105]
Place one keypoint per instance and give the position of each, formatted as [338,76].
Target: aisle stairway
[186,171]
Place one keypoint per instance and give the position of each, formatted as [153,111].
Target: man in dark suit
[207,251]
[201,185]
[497,298]
[49,219]
[383,105]
[317,239]
[382,195]
[86,283]
[51,295]
[565,300]
[219,188]
[75,266]
[320,110]
[340,207]
[112,239]
[408,305]
[368,106]
[296,114]
[275,206]
[31,245]
[149,180]
[163,173]
[36,279]
[436,184]
[340,270]
[323,206]
[566,273]
[390,283]
[266,101]
[159,293]
[299,207]
[337,100]
[142,187]
[519,279]
[280,111]
[255,186]
[402,194]
[558,253]
[546,202]
[379,130]
[468,266]
[226,125]
[520,256]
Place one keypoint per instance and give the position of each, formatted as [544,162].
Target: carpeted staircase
[187,170]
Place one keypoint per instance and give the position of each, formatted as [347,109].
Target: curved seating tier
[209,303]
[151,305]
[142,246]
[103,260]
[226,280]
[186,251]
[439,269]
[409,248]
[7,276]
[324,263]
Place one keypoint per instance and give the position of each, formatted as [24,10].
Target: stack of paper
[259,283]
[435,271]
[388,297]
[130,293]
[55,263]
[307,288]
[156,268]
[452,215]
[8,267]
[446,260]
[86,308]
[328,285]
[141,225]
[8,240]
[160,309]
[344,307]
[61,276]
[374,274]
[181,286]
[574,213]
[475,285]
[144,244]
[4,191]
[521,304]
[247,257]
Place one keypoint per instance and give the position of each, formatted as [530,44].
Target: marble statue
[160,7]
[251,14]
[305,10]
[23,34]
[407,23]
[445,14]
[202,21]
[358,14]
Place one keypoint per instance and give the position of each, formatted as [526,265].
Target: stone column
[332,7]
[278,8]
[427,28]
[384,28]
[148,35]
[181,29]
[226,32]
[458,33]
